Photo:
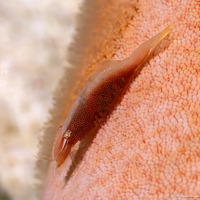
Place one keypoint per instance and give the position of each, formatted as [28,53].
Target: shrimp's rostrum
[99,94]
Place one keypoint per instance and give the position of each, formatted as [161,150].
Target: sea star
[149,146]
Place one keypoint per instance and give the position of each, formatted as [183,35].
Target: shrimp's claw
[63,155]
[62,147]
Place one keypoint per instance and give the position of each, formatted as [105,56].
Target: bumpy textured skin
[149,148]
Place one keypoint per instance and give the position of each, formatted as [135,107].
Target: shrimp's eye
[67,134]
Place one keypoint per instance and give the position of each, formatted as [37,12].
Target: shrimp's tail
[144,50]
[157,38]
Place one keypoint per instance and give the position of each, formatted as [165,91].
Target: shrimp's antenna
[44,157]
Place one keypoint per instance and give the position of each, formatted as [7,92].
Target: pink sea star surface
[149,147]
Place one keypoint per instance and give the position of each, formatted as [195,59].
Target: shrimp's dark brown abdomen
[96,104]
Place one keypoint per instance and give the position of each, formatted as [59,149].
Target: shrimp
[99,94]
